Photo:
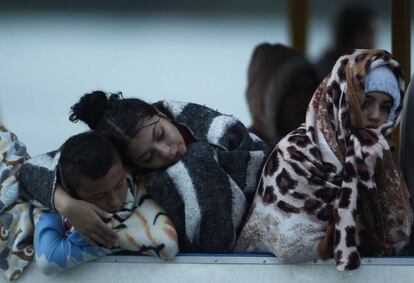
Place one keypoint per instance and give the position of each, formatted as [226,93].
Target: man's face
[107,193]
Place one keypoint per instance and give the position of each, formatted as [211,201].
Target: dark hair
[89,155]
[273,72]
[352,20]
[115,117]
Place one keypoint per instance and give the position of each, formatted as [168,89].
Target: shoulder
[180,109]
[201,120]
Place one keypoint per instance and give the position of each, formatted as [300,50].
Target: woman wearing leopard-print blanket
[331,188]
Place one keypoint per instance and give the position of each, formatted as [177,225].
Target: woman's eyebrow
[140,127]
[153,132]
[152,140]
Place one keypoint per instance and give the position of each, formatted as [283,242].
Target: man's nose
[115,201]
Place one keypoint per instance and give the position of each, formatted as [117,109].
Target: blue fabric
[382,79]
[16,249]
[57,249]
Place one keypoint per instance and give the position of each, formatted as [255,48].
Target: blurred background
[52,52]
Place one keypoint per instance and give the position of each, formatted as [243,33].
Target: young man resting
[90,169]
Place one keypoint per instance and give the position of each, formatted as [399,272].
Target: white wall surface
[48,60]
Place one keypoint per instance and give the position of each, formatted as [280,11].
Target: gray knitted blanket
[207,192]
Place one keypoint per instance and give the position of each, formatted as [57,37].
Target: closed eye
[160,134]
[147,157]
[99,196]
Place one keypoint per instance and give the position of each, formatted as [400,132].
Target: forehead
[147,127]
[143,139]
[106,183]
[380,96]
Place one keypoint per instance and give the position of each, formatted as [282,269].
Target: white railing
[201,268]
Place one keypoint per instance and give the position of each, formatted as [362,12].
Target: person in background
[91,170]
[355,26]
[331,187]
[280,83]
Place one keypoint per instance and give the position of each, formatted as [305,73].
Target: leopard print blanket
[330,188]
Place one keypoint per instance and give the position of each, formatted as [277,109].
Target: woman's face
[376,109]
[158,144]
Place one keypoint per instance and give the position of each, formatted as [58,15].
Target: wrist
[62,200]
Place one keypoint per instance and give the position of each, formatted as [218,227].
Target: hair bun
[90,109]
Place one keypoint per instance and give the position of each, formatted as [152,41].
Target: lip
[372,126]
[177,156]
[115,209]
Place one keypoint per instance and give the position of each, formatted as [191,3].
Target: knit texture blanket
[206,193]
[331,188]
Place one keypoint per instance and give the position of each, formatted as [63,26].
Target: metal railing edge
[264,259]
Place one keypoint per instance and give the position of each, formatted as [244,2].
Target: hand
[86,218]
